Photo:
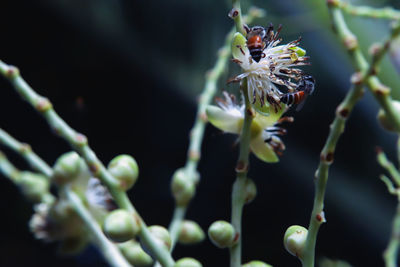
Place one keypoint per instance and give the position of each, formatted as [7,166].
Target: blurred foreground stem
[80,144]
[110,252]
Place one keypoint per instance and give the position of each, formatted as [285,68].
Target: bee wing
[301,104]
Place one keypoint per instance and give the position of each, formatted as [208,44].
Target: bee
[303,89]
[255,42]
[258,38]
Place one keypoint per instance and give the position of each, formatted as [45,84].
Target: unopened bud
[256,264]
[135,255]
[67,168]
[161,235]
[295,240]
[33,186]
[383,119]
[182,188]
[120,226]
[188,262]
[125,169]
[222,234]
[250,190]
[191,233]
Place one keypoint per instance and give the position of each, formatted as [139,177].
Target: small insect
[255,42]
[303,89]
[258,38]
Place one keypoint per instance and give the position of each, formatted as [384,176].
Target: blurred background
[127,75]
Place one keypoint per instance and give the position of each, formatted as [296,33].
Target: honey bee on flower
[268,65]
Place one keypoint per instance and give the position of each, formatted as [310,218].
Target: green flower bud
[33,186]
[222,234]
[67,168]
[161,235]
[125,169]
[182,188]
[256,264]
[295,240]
[191,233]
[134,253]
[250,190]
[72,245]
[384,121]
[120,226]
[188,262]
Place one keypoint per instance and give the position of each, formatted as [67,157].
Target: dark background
[127,73]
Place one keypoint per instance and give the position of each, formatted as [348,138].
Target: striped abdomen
[255,45]
[293,98]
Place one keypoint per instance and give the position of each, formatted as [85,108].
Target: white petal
[227,121]
[263,150]
[271,119]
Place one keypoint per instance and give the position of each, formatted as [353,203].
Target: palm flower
[273,66]
[265,142]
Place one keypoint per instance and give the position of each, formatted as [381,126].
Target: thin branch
[109,250]
[238,190]
[197,132]
[366,11]
[80,144]
[389,166]
[386,180]
[390,253]
[26,152]
[366,73]
[11,172]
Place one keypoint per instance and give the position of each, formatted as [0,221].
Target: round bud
[135,255]
[182,188]
[67,168]
[120,226]
[188,262]
[256,264]
[33,186]
[222,234]
[190,233]
[250,190]
[295,240]
[125,169]
[384,121]
[161,235]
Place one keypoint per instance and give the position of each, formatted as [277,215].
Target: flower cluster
[267,68]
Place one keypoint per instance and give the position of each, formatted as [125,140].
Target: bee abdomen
[292,98]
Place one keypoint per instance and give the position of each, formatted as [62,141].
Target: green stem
[11,172]
[366,11]
[175,225]
[236,15]
[390,253]
[321,177]
[379,90]
[8,169]
[238,190]
[80,144]
[389,166]
[197,132]
[108,249]
[365,74]
[26,152]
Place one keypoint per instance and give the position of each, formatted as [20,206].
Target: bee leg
[254,97]
[241,49]
[262,98]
